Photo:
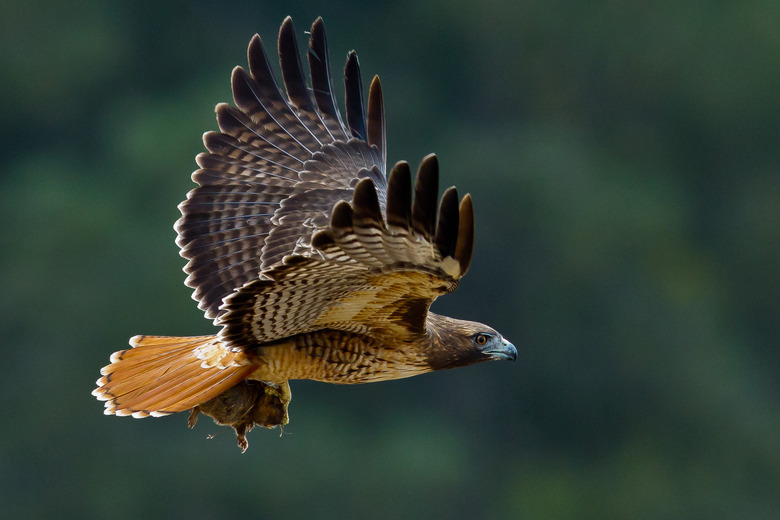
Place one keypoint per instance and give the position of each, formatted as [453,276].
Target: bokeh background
[625,165]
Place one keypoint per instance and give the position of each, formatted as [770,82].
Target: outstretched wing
[272,175]
[374,275]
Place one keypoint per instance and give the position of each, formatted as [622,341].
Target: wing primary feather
[399,196]
[341,218]
[447,226]
[295,83]
[292,69]
[260,68]
[376,118]
[356,116]
[319,66]
[365,202]
[245,96]
[252,97]
[426,192]
[464,247]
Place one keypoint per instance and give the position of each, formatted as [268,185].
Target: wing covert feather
[369,279]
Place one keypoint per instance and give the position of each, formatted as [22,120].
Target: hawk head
[457,343]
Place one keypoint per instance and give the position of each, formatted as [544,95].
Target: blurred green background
[625,165]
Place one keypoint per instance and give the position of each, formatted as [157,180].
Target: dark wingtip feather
[376,117]
[260,68]
[356,116]
[322,239]
[447,227]
[241,85]
[257,58]
[318,45]
[228,118]
[465,244]
[341,217]
[319,66]
[255,47]
[286,30]
[399,196]
[365,201]
[426,194]
[292,70]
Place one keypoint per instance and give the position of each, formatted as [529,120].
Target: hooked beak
[506,351]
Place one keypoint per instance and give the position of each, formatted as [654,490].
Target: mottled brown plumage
[314,263]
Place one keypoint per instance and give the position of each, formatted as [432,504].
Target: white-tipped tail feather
[160,375]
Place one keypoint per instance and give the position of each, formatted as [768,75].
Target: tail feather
[162,375]
[179,388]
[197,394]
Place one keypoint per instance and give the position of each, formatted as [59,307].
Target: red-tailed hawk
[314,262]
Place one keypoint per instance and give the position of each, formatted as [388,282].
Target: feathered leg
[245,405]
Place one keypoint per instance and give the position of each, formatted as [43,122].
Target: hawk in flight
[314,261]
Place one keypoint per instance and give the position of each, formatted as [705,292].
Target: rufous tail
[160,375]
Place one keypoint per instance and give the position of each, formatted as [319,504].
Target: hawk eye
[481,339]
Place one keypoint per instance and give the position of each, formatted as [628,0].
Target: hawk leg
[245,405]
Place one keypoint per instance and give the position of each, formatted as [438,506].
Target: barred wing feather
[273,172]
